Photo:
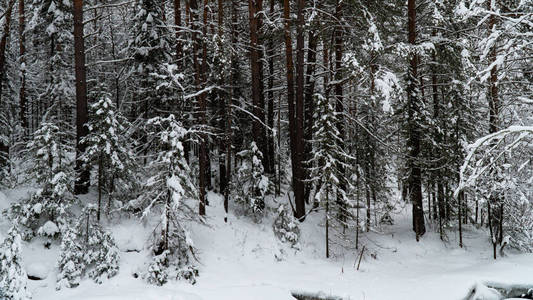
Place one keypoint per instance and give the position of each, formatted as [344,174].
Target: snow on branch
[485,152]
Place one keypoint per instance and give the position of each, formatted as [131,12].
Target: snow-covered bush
[286,227]
[102,257]
[89,250]
[71,262]
[251,183]
[12,276]
[158,269]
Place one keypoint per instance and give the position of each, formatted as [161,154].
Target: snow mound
[37,270]
[49,229]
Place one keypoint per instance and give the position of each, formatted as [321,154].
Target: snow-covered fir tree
[54,19]
[108,149]
[71,262]
[328,158]
[286,227]
[87,250]
[51,170]
[251,184]
[167,192]
[101,254]
[150,49]
[13,278]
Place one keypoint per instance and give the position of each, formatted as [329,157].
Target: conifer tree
[107,148]
[51,170]
[12,275]
[71,261]
[167,191]
[328,157]
[251,182]
[150,49]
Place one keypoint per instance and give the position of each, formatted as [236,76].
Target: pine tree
[71,262]
[101,254]
[55,19]
[12,276]
[168,190]
[150,49]
[327,158]
[251,183]
[87,250]
[286,228]
[107,148]
[52,172]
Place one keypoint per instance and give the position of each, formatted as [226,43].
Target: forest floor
[241,260]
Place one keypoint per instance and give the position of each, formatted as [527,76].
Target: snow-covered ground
[239,260]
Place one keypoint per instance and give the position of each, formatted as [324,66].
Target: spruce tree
[51,170]
[108,148]
[327,159]
[251,183]
[12,276]
[71,262]
[168,191]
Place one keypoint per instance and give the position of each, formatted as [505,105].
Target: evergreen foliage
[251,183]
[12,275]
[87,250]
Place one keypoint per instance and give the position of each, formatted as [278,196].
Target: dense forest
[350,110]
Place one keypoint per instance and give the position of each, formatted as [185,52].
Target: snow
[49,229]
[37,269]
[244,260]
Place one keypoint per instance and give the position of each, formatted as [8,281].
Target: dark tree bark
[415,176]
[270,113]
[297,183]
[177,23]
[4,148]
[339,103]
[3,44]
[201,99]
[22,55]
[309,105]
[223,109]
[300,65]
[495,217]
[256,66]
[83,174]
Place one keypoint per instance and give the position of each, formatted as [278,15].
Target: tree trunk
[201,105]
[22,55]
[83,174]
[270,113]
[415,178]
[297,184]
[256,66]
[299,117]
[327,221]
[339,100]
[100,186]
[309,106]
[459,216]
[4,148]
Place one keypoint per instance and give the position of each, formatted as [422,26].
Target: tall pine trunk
[415,176]
[193,6]
[309,106]
[83,174]
[297,184]
[255,8]
[4,146]
[22,56]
